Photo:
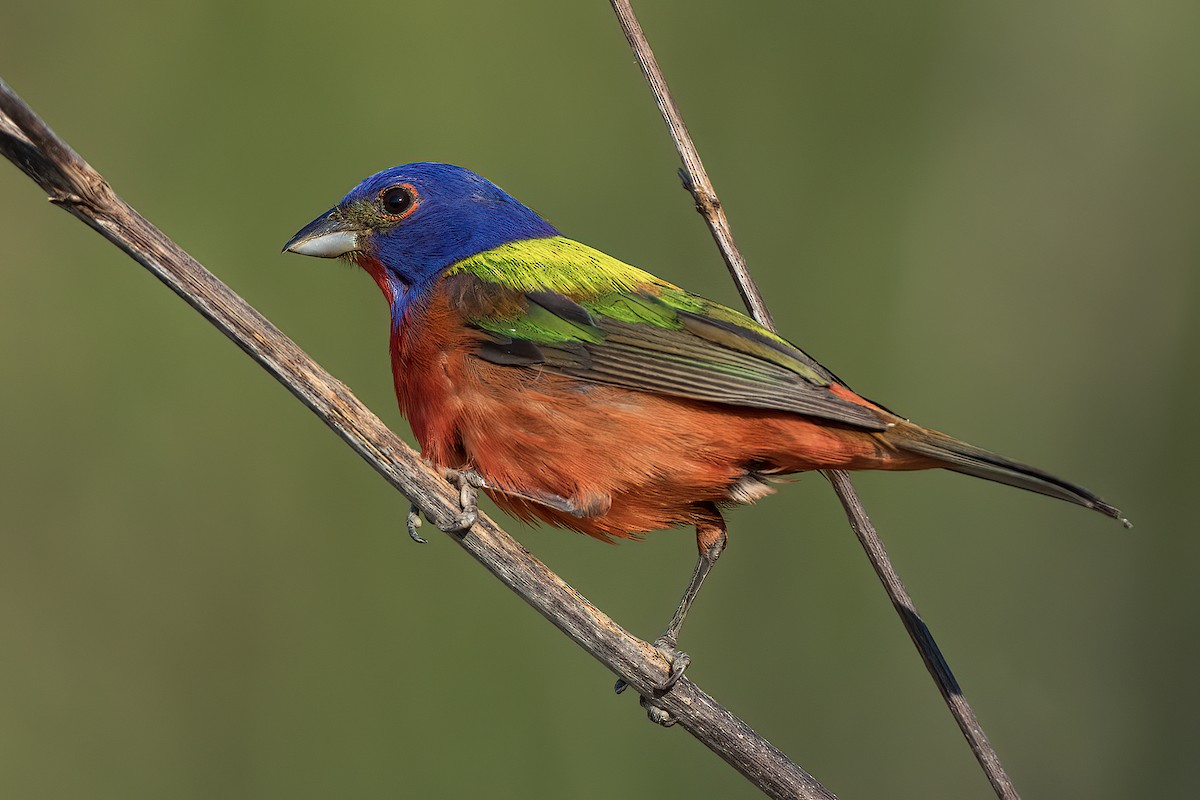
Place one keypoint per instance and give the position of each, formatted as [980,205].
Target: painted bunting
[581,391]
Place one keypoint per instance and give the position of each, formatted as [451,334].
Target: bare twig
[73,184]
[709,205]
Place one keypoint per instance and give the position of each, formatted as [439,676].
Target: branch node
[685,179]
[64,198]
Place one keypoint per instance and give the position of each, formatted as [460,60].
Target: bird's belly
[609,461]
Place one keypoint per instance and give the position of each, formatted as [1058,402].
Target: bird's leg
[710,541]
[469,483]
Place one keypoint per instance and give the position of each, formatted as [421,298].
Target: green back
[564,306]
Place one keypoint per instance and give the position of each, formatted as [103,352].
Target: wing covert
[656,339]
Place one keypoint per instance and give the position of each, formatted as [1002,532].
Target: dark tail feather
[970,460]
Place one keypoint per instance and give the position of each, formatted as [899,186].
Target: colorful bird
[584,392]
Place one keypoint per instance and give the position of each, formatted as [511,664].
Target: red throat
[374,267]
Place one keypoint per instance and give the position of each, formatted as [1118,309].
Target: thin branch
[923,638]
[73,184]
[709,205]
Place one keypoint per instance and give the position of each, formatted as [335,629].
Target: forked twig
[74,185]
[709,205]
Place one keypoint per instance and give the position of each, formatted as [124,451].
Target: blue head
[418,219]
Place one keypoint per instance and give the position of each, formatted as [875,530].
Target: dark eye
[398,200]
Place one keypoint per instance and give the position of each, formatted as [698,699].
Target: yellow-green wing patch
[566,308]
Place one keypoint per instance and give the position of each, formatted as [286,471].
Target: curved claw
[460,523]
[679,662]
[678,659]
[413,522]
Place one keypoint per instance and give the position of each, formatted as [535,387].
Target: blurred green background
[982,214]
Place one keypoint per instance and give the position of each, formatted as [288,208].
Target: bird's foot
[678,660]
[657,714]
[469,483]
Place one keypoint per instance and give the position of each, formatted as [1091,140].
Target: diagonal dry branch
[696,181]
[72,184]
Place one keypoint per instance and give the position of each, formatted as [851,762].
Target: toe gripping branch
[469,483]
[679,661]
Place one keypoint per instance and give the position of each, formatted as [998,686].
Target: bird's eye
[398,200]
